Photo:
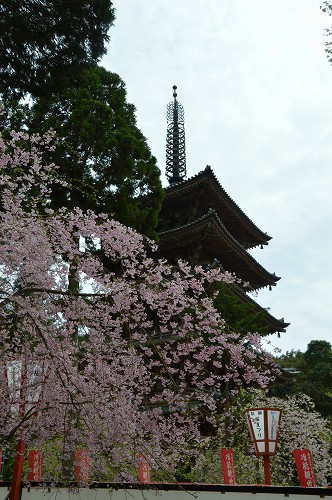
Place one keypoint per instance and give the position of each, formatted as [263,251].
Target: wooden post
[267,470]
[15,487]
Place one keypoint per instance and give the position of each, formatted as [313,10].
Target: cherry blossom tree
[300,427]
[103,346]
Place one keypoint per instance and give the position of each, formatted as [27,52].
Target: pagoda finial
[175,141]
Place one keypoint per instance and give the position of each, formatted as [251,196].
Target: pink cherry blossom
[137,356]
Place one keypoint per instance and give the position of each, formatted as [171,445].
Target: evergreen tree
[314,377]
[49,53]
[45,44]
[102,154]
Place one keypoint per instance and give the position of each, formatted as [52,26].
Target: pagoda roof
[204,189]
[206,239]
[272,324]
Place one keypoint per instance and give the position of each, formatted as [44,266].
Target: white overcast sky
[256,87]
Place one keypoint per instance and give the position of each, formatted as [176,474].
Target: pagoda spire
[175,141]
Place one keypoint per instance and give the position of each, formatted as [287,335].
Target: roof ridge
[208,169]
[212,214]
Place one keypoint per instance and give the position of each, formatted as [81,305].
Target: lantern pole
[266,456]
[267,469]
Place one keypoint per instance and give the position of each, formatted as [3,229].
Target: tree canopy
[314,377]
[134,358]
[48,56]
[45,44]
[101,153]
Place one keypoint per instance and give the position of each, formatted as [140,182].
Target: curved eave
[211,194]
[273,324]
[205,240]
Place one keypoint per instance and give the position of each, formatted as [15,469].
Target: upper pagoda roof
[205,192]
[207,239]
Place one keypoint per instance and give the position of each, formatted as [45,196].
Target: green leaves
[101,153]
[45,45]
[315,378]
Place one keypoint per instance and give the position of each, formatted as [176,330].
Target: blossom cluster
[127,353]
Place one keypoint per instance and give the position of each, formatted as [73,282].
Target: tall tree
[45,44]
[314,367]
[101,153]
[49,52]
[317,379]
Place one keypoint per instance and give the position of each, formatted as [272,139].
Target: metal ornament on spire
[175,141]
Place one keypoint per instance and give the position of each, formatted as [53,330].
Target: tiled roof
[218,244]
[237,222]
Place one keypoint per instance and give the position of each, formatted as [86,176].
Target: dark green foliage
[8,460]
[101,152]
[240,316]
[315,378]
[49,51]
[318,376]
[288,384]
[44,44]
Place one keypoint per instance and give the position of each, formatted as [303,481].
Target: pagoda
[199,222]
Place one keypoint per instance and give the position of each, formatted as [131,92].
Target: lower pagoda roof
[205,240]
[272,324]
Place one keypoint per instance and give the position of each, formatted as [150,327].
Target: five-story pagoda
[199,222]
